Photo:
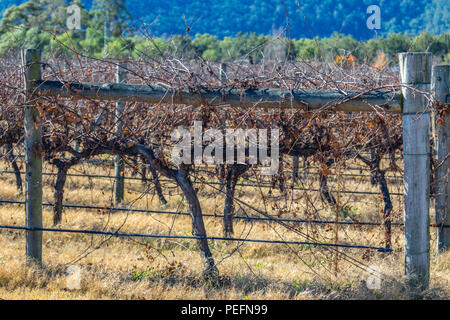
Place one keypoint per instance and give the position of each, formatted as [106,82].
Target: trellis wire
[143,235]
[359,223]
[412,66]
[211,183]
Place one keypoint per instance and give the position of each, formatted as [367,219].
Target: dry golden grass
[138,268]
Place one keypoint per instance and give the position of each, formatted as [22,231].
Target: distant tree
[120,48]
[145,48]
[29,25]
[181,47]
[395,43]
[307,18]
[33,22]
[113,13]
[93,42]
[12,41]
[306,49]
[437,17]
[242,46]
[5,4]
[46,15]
[203,42]
[27,15]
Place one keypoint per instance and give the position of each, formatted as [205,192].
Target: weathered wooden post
[31,60]
[223,126]
[415,69]
[119,183]
[295,167]
[441,89]
[295,159]
[223,73]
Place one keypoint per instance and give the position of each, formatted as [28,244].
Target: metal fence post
[119,166]
[415,69]
[440,88]
[31,60]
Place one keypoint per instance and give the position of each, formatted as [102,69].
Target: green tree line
[42,23]
[306,18]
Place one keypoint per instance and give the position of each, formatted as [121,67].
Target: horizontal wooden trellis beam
[350,101]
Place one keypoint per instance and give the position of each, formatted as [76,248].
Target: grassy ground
[136,268]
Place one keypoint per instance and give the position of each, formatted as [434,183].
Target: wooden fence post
[223,73]
[119,183]
[295,168]
[415,69]
[440,88]
[31,60]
